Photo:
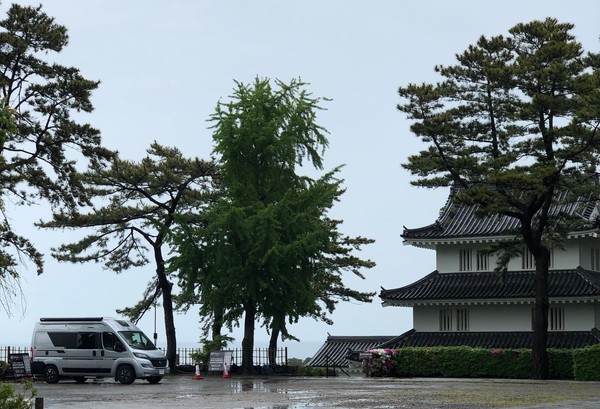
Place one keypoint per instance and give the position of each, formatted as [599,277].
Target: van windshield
[137,340]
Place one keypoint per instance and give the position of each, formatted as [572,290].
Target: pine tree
[513,123]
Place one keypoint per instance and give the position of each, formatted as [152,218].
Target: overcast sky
[164,65]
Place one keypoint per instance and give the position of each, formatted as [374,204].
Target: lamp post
[155,333]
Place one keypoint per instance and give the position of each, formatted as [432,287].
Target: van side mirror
[119,347]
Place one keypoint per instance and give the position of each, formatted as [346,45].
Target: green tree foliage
[9,399]
[39,141]
[269,251]
[513,125]
[137,206]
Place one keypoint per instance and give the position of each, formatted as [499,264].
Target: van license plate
[161,371]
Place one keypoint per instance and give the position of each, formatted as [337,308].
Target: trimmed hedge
[467,362]
[586,363]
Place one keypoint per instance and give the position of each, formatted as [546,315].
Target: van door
[83,359]
[109,353]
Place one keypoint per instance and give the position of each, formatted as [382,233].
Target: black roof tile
[437,286]
[507,340]
[335,349]
[461,221]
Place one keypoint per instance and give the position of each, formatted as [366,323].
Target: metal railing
[329,362]
[261,355]
[5,351]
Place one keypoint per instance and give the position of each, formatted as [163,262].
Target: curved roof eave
[489,301]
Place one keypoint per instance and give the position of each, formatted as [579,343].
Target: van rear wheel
[125,374]
[51,374]
[79,379]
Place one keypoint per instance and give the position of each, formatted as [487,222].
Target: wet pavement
[215,392]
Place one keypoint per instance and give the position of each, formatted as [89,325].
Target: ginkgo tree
[269,252]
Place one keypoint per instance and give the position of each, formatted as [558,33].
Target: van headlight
[141,355]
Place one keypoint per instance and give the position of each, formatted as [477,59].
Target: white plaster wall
[500,317]
[426,319]
[585,254]
[569,257]
[447,257]
[578,317]
[576,252]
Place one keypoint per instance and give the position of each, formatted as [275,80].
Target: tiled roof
[577,283]
[335,349]
[512,340]
[461,221]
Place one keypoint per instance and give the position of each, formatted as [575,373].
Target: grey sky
[165,64]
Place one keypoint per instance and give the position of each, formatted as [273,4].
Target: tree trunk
[217,326]
[273,346]
[540,318]
[248,341]
[170,327]
[167,296]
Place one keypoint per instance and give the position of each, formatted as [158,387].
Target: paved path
[215,392]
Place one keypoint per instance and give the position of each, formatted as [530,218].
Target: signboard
[217,359]
[20,365]
[365,355]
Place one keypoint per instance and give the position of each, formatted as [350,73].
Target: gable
[459,223]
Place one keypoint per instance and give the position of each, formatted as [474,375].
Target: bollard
[39,403]
[225,371]
[197,376]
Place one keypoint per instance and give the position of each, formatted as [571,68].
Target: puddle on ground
[294,406]
[256,385]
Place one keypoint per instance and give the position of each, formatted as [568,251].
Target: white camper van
[82,348]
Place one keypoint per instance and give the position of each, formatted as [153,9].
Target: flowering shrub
[381,363]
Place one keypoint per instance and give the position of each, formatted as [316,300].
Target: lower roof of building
[436,286]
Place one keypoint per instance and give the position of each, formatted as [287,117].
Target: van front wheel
[154,379]
[125,374]
[51,374]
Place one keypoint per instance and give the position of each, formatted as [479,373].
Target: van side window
[86,340]
[108,340]
[66,340]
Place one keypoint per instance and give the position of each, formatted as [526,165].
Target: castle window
[464,262]
[483,261]
[445,320]
[462,320]
[528,261]
[556,319]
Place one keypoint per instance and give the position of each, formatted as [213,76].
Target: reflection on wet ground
[254,385]
[270,387]
[213,392]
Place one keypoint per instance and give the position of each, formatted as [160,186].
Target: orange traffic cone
[225,371]
[197,376]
